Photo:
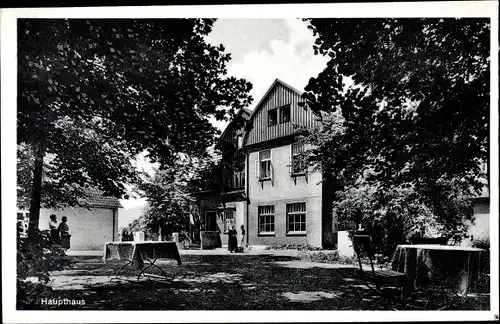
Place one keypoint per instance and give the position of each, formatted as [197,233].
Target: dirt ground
[235,282]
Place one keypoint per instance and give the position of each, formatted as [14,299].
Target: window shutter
[257,169]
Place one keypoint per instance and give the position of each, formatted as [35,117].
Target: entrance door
[210,221]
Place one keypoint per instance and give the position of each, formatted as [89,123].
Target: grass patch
[326,257]
[298,247]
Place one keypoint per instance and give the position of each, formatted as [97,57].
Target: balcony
[234,183]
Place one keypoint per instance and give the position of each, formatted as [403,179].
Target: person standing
[232,243]
[242,235]
[64,232]
[54,231]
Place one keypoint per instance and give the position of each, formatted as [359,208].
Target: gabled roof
[95,198]
[273,85]
[261,101]
[242,111]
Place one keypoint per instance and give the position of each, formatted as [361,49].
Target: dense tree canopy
[169,193]
[95,93]
[419,103]
[405,105]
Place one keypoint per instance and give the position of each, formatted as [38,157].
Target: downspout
[247,186]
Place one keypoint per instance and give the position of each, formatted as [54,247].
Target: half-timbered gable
[278,114]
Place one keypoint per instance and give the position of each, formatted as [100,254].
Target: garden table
[136,254]
[454,267]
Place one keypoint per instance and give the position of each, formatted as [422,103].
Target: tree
[405,106]
[392,216]
[168,195]
[95,93]
[140,224]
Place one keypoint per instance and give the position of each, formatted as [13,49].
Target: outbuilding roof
[95,198]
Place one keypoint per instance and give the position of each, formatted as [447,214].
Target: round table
[455,267]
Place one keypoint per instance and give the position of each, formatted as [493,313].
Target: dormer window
[272,117]
[285,114]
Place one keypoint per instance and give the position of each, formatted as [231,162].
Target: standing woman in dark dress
[232,243]
[64,232]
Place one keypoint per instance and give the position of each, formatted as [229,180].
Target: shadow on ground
[230,282]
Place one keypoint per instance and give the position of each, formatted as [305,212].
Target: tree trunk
[36,192]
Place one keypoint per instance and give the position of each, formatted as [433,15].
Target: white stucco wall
[344,246]
[480,228]
[283,187]
[284,190]
[89,229]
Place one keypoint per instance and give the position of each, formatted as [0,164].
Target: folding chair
[440,284]
[380,278]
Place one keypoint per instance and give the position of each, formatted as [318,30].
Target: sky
[261,51]
[265,49]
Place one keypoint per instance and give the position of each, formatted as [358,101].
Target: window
[285,114]
[265,164]
[298,164]
[240,141]
[238,180]
[296,217]
[228,216]
[272,117]
[266,219]
[234,175]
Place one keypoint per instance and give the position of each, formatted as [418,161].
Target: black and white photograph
[322,158]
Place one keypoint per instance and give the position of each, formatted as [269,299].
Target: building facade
[287,199]
[90,226]
[266,188]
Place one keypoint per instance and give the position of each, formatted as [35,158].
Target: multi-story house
[289,203]
[266,187]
